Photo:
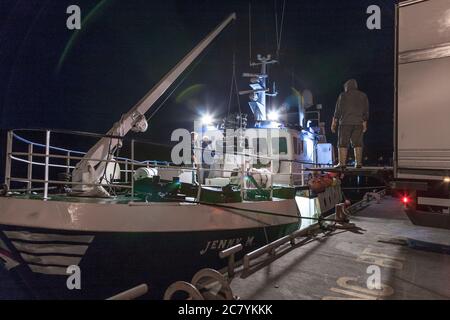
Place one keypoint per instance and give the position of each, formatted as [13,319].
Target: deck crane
[89,171]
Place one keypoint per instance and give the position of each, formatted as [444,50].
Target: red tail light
[405,200]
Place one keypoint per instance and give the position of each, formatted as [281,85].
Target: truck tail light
[405,200]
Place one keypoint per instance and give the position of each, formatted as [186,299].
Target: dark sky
[53,77]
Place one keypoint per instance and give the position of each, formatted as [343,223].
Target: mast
[259,93]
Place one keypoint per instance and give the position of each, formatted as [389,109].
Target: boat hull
[113,262]
[117,247]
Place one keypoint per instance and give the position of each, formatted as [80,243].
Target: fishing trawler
[122,221]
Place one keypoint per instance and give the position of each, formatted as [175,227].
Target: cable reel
[206,284]
[183,287]
[212,285]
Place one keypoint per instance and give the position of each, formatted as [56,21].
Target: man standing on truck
[351,114]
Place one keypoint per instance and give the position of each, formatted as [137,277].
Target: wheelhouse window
[260,145]
[279,146]
[295,143]
[300,146]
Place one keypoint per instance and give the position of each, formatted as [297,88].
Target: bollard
[230,254]
[341,216]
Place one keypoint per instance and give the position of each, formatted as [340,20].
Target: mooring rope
[261,212]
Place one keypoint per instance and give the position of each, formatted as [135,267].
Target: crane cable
[234,85]
[279,27]
[250,31]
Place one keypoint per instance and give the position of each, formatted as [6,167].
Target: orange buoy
[316,185]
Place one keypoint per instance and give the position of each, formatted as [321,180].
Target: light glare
[273,116]
[207,119]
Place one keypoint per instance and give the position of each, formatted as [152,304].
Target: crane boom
[90,170]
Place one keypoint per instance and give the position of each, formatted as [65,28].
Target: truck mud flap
[429,219]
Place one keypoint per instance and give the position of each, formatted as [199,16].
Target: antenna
[250,31]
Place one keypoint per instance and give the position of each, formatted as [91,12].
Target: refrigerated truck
[422,111]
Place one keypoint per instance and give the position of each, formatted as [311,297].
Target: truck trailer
[422,111]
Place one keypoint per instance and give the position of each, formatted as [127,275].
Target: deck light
[207,119]
[273,116]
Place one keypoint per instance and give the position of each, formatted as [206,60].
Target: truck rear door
[423,90]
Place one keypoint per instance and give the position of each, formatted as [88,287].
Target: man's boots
[358,157]
[342,158]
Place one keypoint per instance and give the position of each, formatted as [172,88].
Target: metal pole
[131,294]
[303,174]
[242,181]
[126,171]
[30,168]
[68,162]
[47,158]
[132,170]
[291,177]
[9,142]
[199,177]
[271,179]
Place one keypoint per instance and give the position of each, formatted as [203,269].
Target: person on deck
[351,115]
[195,145]
[207,156]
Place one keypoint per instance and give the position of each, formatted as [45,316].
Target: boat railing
[64,159]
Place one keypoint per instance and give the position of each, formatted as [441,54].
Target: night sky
[84,80]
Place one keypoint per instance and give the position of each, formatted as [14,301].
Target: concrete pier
[339,266]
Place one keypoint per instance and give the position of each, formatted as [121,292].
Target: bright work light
[273,116]
[207,119]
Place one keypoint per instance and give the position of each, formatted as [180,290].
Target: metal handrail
[243,169]
[10,155]
[96,135]
[68,183]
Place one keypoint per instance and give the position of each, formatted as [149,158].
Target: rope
[236,88]
[234,85]
[275,11]
[279,27]
[364,188]
[108,159]
[43,145]
[231,86]
[261,212]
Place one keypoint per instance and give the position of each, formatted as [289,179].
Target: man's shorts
[353,133]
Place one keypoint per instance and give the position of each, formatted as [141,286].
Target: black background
[84,80]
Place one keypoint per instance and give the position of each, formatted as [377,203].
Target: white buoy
[143,173]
